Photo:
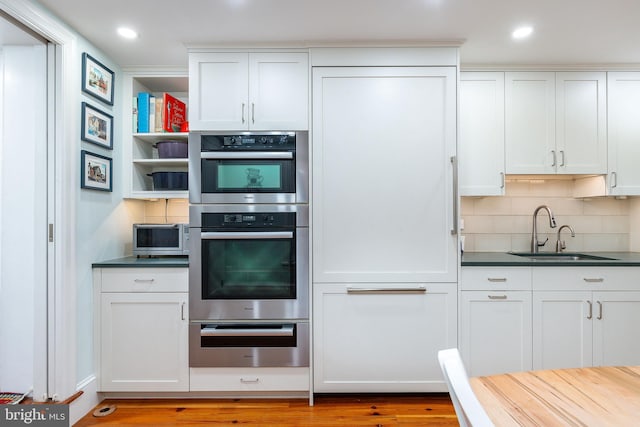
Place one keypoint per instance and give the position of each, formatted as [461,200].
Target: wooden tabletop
[599,396]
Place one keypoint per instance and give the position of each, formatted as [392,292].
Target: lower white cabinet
[495,319]
[586,317]
[382,338]
[142,336]
[495,331]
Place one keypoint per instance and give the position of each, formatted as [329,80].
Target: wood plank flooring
[329,410]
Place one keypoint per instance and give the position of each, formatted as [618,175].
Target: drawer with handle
[495,278]
[145,279]
[586,278]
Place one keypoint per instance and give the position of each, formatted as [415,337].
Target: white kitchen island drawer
[249,379]
[594,278]
[144,279]
[495,279]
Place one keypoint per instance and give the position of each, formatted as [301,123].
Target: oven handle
[228,235]
[243,155]
[284,331]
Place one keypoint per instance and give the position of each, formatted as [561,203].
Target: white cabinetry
[249,91]
[142,329]
[375,337]
[140,157]
[481,139]
[624,133]
[555,122]
[384,205]
[495,319]
[384,210]
[586,316]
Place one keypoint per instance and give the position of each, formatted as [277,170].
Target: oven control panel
[256,142]
[248,220]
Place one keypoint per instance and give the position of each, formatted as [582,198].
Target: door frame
[60,315]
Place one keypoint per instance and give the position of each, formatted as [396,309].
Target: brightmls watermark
[34,415]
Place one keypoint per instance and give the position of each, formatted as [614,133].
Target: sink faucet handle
[543,243]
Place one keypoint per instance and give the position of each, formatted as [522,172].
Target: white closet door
[383,181]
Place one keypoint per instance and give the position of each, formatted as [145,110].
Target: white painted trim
[549,67]
[88,400]
[384,56]
[62,354]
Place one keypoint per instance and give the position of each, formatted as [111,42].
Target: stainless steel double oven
[249,253]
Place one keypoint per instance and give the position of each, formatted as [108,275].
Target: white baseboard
[88,400]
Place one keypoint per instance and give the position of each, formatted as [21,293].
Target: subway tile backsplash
[502,224]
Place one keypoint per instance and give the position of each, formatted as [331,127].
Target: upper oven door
[253,168]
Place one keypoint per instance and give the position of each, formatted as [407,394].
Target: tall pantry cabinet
[384,221]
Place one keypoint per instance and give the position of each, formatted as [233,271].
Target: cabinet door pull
[590,315]
[454,170]
[182,310]
[561,157]
[416,290]
[144,280]
[243,112]
[593,279]
[497,296]
[614,179]
[250,380]
[502,180]
[553,153]
[599,310]
[253,112]
[497,279]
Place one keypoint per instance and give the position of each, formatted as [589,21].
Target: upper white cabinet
[555,122]
[249,91]
[481,138]
[624,133]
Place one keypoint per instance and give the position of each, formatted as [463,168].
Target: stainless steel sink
[562,256]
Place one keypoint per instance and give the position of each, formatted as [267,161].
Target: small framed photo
[96,171]
[97,80]
[97,126]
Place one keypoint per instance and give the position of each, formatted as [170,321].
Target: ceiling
[566,32]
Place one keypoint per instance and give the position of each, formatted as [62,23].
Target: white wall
[104,219]
[22,209]
[501,224]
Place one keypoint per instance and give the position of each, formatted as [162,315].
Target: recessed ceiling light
[127,33]
[522,32]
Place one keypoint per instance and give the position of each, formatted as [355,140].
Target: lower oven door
[260,344]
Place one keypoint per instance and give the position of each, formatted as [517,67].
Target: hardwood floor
[329,410]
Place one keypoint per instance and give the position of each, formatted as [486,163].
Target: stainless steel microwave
[160,239]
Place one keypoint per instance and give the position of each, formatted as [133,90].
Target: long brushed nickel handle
[503,297]
[416,290]
[599,310]
[454,164]
[590,315]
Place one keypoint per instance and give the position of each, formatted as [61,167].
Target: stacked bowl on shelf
[171,149]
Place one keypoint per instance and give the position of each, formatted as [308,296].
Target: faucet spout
[535,244]
[560,244]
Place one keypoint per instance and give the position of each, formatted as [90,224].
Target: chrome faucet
[535,244]
[560,244]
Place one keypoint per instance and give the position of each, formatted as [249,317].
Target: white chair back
[468,409]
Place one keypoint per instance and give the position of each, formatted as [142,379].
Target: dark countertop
[504,259]
[133,261]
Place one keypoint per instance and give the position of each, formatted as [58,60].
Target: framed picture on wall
[97,80]
[96,171]
[97,126]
